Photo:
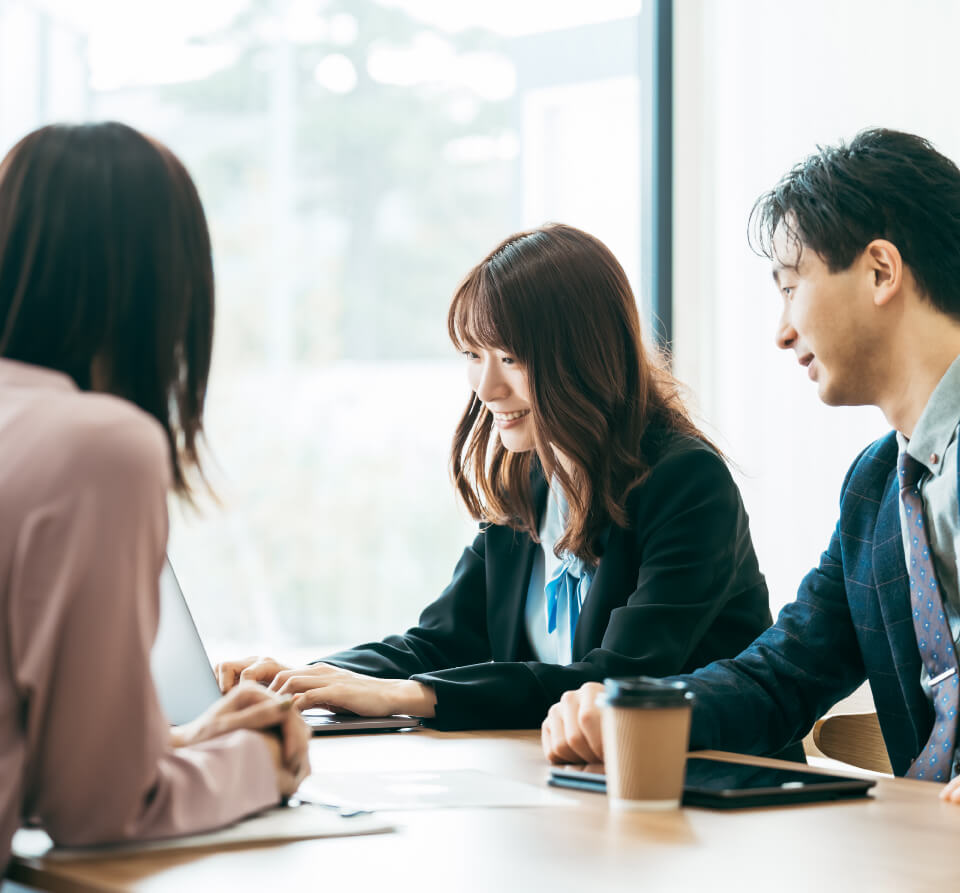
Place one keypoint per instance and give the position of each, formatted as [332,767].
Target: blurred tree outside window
[355,159]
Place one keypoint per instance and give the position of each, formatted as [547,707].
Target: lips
[810,362]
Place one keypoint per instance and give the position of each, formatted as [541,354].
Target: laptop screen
[182,673]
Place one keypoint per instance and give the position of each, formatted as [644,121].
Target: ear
[885,265]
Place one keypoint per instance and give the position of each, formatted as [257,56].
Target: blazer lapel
[608,584]
[893,594]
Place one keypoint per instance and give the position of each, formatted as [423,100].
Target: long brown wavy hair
[557,301]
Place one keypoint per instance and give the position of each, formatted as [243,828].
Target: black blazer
[676,590]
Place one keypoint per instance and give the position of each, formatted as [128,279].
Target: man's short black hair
[884,184]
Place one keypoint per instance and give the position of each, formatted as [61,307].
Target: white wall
[759,85]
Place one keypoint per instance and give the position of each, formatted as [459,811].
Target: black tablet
[718,784]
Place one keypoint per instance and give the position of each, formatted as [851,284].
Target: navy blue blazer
[677,589]
[851,621]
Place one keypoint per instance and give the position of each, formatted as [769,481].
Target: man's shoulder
[872,468]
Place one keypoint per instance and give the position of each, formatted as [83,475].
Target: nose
[491,385]
[786,336]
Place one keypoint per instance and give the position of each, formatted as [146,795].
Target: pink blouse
[84,745]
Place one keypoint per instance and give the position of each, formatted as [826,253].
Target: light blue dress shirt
[553,643]
[934,445]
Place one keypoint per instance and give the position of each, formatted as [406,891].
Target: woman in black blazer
[636,560]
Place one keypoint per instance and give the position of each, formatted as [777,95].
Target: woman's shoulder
[69,437]
[674,452]
[687,479]
[683,470]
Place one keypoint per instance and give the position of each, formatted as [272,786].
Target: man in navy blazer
[864,241]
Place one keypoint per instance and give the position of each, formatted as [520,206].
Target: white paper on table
[302,822]
[425,789]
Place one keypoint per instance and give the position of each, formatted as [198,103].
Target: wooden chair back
[853,738]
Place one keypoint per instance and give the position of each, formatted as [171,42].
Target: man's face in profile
[826,320]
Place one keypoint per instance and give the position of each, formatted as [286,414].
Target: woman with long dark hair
[613,540]
[106,330]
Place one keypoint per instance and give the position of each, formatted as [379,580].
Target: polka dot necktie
[933,634]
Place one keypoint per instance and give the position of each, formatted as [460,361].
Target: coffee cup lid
[645,691]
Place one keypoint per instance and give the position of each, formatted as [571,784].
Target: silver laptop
[186,683]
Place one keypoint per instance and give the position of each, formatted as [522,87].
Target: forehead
[786,248]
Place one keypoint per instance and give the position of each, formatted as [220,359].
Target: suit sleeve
[83,615]
[451,631]
[691,557]
[772,693]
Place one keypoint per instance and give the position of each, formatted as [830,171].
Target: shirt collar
[555,512]
[937,425]
[552,526]
[14,374]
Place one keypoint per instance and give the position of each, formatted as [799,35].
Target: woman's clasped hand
[253,707]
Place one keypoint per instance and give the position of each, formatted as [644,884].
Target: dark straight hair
[106,273]
[883,184]
[558,302]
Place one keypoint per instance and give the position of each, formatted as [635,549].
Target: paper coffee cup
[646,732]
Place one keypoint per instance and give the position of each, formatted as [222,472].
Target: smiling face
[501,384]
[830,321]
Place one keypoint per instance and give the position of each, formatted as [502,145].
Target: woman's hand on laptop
[571,732]
[343,691]
[249,669]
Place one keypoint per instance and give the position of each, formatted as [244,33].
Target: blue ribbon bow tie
[565,585]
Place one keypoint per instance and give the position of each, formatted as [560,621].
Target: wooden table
[902,839]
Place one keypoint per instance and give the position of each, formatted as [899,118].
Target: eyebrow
[780,267]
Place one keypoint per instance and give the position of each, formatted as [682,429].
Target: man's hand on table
[571,732]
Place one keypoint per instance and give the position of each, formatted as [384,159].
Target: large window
[355,158]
